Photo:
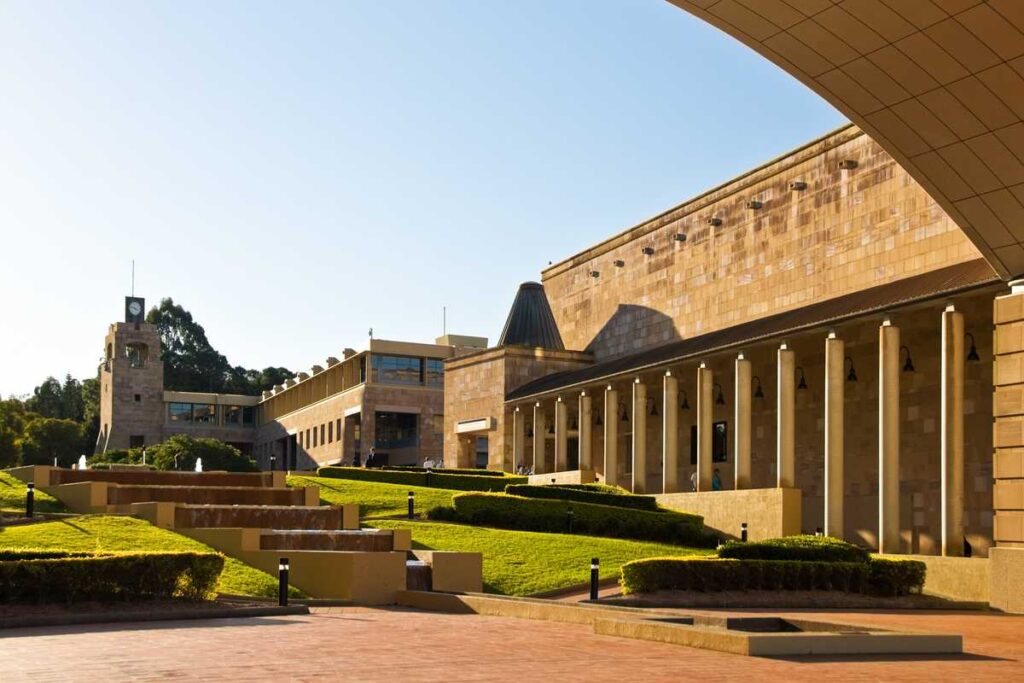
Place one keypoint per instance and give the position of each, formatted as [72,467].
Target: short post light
[412,504]
[819,532]
[743,532]
[30,500]
[282,582]
[568,520]
[273,462]
[595,571]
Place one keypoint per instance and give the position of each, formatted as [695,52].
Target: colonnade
[951,430]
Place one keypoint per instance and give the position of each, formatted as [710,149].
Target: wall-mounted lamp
[847,164]
[909,365]
[802,384]
[654,407]
[714,222]
[529,432]
[648,250]
[851,376]
[684,404]
[798,185]
[619,263]
[679,237]
[597,420]
[720,398]
[574,425]
[754,204]
[972,355]
[551,429]
[758,392]
[625,413]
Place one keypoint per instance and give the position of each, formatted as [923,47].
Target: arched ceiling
[939,84]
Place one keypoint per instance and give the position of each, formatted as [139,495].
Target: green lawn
[526,562]
[116,533]
[375,499]
[12,496]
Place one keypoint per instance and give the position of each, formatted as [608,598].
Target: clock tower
[131,382]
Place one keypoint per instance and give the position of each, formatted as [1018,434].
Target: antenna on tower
[133,278]
[444,320]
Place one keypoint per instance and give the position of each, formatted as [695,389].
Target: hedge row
[460,482]
[797,548]
[445,470]
[536,514]
[46,576]
[590,495]
[878,576]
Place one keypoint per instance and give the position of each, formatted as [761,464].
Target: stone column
[611,436]
[540,428]
[888,438]
[639,436]
[951,444]
[741,428]
[586,423]
[786,417]
[561,436]
[670,434]
[705,406]
[518,438]
[835,386]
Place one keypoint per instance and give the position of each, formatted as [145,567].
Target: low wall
[956,578]
[769,513]
[1007,577]
[568,477]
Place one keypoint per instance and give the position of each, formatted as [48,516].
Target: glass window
[396,430]
[181,412]
[204,412]
[435,372]
[397,370]
[322,442]
[314,437]
[232,415]
[719,443]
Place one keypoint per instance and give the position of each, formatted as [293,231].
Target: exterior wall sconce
[679,237]
[847,164]
[529,432]
[798,185]
[754,204]
[851,376]
[648,250]
[625,413]
[597,420]
[972,355]
[720,398]
[758,392]
[619,263]
[714,222]
[551,429]
[684,404]
[654,407]
[909,365]
[802,384]
[574,425]
[595,273]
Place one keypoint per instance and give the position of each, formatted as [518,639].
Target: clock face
[135,308]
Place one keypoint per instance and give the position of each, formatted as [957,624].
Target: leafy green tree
[12,428]
[181,451]
[90,413]
[47,399]
[47,438]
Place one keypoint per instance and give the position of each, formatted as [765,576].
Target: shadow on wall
[631,329]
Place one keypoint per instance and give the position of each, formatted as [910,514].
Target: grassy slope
[102,532]
[12,496]
[525,562]
[375,499]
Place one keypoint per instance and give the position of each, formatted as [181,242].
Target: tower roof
[530,322]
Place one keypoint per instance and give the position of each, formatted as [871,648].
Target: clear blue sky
[295,173]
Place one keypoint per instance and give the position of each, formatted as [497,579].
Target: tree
[181,451]
[47,399]
[47,438]
[90,413]
[12,428]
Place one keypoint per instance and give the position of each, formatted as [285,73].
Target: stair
[257,518]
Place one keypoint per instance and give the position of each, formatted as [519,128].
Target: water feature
[82,465]
[199,464]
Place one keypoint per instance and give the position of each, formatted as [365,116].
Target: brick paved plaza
[359,644]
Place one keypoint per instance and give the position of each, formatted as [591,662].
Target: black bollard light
[568,520]
[412,504]
[282,582]
[273,462]
[743,532]
[30,500]
[819,532]
[595,567]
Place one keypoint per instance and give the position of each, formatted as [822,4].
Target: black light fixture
[720,398]
[851,376]
[529,432]
[684,404]
[972,355]
[758,392]
[598,421]
[551,429]
[625,414]
[909,365]
[654,407]
[574,425]
[802,384]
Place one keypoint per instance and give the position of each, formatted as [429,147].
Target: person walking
[716,481]
[693,481]
[371,458]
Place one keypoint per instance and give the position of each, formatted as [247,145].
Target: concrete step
[152,478]
[124,495]
[263,517]
[363,540]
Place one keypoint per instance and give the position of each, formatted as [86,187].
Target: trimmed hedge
[504,511]
[798,548]
[53,576]
[876,577]
[588,495]
[444,470]
[460,482]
